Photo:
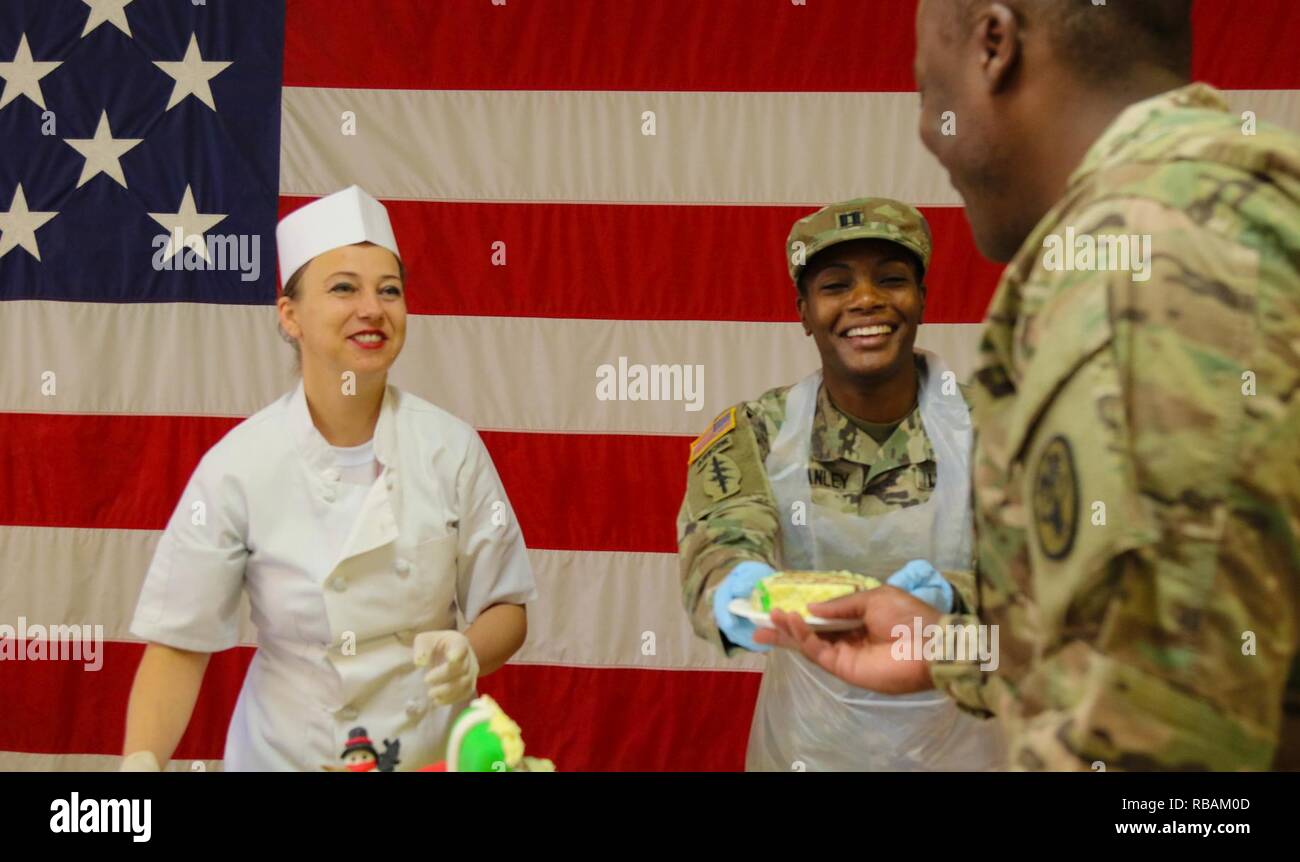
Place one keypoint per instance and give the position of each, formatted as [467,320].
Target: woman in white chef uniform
[358,518]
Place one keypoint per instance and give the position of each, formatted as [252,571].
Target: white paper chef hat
[343,218]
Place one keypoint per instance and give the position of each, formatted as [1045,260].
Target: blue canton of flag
[140,149]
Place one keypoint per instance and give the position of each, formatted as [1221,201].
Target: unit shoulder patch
[1056,499]
[723,424]
[727,472]
[720,476]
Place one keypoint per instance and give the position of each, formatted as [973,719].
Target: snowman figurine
[360,755]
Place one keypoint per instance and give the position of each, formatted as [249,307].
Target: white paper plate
[742,608]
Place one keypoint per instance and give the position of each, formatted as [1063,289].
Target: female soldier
[862,466]
[358,518]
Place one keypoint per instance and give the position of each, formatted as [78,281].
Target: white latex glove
[140,761]
[455,666]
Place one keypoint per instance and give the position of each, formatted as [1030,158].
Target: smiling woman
[347,320]
[292,292]
[862,301]
[361,521]
[861,467]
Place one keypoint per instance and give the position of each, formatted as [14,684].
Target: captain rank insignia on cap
[851,219]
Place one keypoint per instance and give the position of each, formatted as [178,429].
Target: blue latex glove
[924,581]
[738,584]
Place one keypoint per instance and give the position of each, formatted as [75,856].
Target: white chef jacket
[435,534]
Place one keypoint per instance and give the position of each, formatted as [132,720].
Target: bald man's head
[1100,44]
[1013,92]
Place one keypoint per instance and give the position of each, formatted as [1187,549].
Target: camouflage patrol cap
[860,218]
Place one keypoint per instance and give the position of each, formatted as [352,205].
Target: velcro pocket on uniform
[729,472]
[1086,332]
[1069,440]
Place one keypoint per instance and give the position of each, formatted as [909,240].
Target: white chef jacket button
[390,479]
[328,496]
[332,475]
[347,713]
[414,707]
[339,584]
[403,567]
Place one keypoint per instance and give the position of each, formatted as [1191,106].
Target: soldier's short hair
[1104,44]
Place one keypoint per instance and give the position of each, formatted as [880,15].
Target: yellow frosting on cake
[512,738]
[794,591]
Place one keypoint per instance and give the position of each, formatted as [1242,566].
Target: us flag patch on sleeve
[725,422]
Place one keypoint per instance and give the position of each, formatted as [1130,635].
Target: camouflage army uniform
[729,514]
[1137,507]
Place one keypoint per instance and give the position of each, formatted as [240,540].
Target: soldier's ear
[998,35]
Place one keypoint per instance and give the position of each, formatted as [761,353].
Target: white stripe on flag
[498,373]
[583,146]
[596,608]
[20,761]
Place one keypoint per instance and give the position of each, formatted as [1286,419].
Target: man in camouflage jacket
[1137,402]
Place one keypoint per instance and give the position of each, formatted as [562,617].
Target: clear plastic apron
[807,719]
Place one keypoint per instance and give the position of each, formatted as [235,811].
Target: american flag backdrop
[572,182]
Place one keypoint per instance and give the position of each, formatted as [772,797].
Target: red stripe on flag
[585,719]
[588,492]
[773,45]
[642,262]
[594,492]
[1247,46]
[102,471]
[67,709]
[741,45]
[620,719]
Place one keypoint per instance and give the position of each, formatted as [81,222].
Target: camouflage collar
[1002,356]
[1133,124]
[836,438]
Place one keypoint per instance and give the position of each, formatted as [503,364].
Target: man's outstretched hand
[863,657]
